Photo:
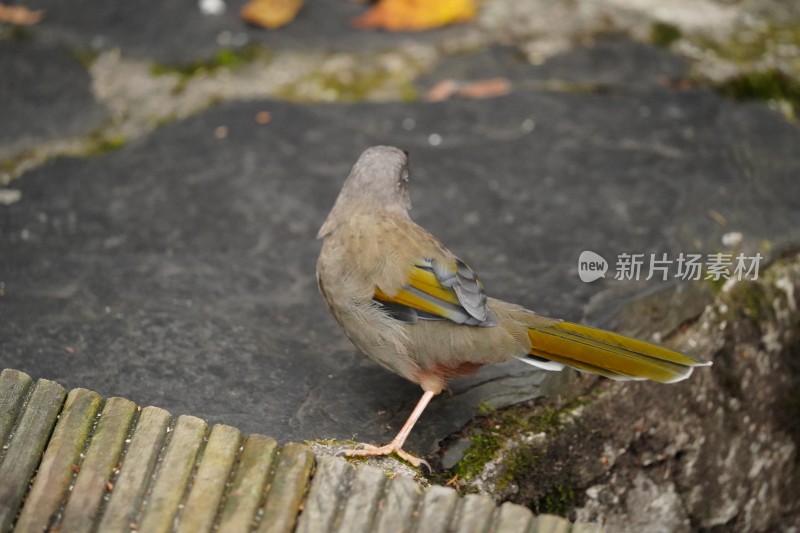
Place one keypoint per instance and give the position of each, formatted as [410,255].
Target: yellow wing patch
[415,301]
[426,281]
[425,295]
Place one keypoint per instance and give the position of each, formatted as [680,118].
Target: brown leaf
[263,117]
[448,88]
[485,88]
[441,91]
[270,13]
[416,15]
[19,15]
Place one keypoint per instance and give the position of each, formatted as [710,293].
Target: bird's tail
[555,343]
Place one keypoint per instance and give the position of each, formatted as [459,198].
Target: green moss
[770,84]
[715,284]
[357,86]
[751,299]
[664,34]
[16,33]
[408,93]
[497,427]
[558,501]
[224,58]
[521,459]
[750,44]
[482,450]
[85,56]
[105,144]
[331,442]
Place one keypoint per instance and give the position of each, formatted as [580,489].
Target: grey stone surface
[513,518]
[179,270]
[367,490]
[329,487]
[45,94]
[402,498]
[178,33]
[618,65]
[475,513]
[437,510]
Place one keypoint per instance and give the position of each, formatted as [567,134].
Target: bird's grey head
[381,175]
[378,180]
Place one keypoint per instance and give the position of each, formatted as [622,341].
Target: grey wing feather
[468,288]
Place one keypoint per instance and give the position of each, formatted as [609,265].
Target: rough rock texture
[718,451]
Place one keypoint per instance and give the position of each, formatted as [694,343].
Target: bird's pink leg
[396,446]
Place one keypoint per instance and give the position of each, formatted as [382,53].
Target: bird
[412,306]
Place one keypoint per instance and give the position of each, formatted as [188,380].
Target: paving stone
[247,489]
[512,518]
[60,462]
[14,386]
[208,484]
[325,496]
[397,510]
[547,523]
[474,514]
[45,94]
[136,471]
[203,266]
[364,498]
[174,472]
[23,451]
[102,457]
[437,510]
[287,488]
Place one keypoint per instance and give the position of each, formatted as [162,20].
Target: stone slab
[196,484]
[138,465]
[23,452]
[210,481]
[181,267]
[45,94]
[92,483]
[163,501]
[60,462]
[248,486]
[14,387]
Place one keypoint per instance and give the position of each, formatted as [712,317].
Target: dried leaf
[19,15]
[485,88]
[271,13]
[488,88]
[263,117]
[416,15]
[441,91]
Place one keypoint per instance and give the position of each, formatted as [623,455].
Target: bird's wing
[438,290]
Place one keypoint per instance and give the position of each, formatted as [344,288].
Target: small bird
[412,306]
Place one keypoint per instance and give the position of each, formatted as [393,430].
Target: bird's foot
[368,450]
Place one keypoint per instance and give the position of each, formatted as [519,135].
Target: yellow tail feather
[608,354]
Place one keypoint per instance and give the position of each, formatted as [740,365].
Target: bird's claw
[367,450]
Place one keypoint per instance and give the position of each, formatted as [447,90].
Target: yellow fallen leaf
[19,15]
[270,13]
[416,15]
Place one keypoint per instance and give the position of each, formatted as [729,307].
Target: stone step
[75,462]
